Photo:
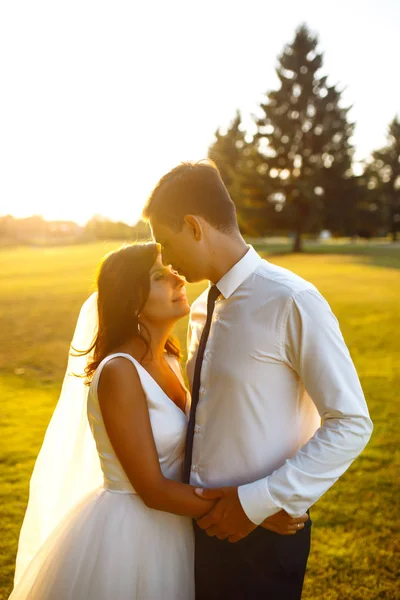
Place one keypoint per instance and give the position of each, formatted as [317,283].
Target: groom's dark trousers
[264,565]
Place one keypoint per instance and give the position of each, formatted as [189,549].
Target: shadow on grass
[376,255]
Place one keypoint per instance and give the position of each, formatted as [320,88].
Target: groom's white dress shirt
[281,412]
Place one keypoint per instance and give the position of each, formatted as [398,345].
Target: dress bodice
[168,423]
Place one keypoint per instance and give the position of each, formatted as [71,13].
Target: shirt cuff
[256,501]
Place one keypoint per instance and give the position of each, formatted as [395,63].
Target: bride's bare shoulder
[119,377]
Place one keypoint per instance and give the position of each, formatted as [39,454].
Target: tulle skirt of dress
[111,546]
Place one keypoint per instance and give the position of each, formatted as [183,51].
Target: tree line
[295,173]
[37,231]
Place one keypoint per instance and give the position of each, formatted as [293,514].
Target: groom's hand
[227,519]
[282,523]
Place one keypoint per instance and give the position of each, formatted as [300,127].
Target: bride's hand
[284,524]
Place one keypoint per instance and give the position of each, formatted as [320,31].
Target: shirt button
[216,317]
[197,428]
[202,390]
[194,468]
[207,354]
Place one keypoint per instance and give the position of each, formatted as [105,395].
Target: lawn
[355,553]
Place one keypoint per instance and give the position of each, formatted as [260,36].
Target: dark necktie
[187,464]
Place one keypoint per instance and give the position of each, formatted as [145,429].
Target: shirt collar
[230,282]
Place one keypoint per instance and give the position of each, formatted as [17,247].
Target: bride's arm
[126,418]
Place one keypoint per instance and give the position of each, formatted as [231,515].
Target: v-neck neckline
[158,385]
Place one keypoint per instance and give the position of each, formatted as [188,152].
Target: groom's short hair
[192,188]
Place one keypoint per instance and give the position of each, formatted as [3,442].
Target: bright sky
[99,99]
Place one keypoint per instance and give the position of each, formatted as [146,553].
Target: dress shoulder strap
[141,370]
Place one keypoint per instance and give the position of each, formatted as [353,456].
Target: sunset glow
[100,99]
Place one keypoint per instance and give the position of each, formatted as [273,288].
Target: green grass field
[356,541]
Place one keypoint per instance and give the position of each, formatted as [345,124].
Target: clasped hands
[227,519]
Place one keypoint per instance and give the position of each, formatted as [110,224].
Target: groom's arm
[313,346]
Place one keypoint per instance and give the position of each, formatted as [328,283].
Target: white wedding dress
[111,546]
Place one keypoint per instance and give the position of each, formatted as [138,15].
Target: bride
[107,516]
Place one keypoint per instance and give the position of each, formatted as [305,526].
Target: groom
[278,413]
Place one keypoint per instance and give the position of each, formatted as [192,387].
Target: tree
[102,228]
[241,168]
[383,179]
[226,152]
[304,136]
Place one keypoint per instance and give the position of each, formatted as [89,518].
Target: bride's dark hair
[123,285]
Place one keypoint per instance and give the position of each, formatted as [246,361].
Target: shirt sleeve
[312,344]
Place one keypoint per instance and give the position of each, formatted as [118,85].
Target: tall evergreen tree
[243,171]
[227,150]
[252,188]
[383,176]
[305,137]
